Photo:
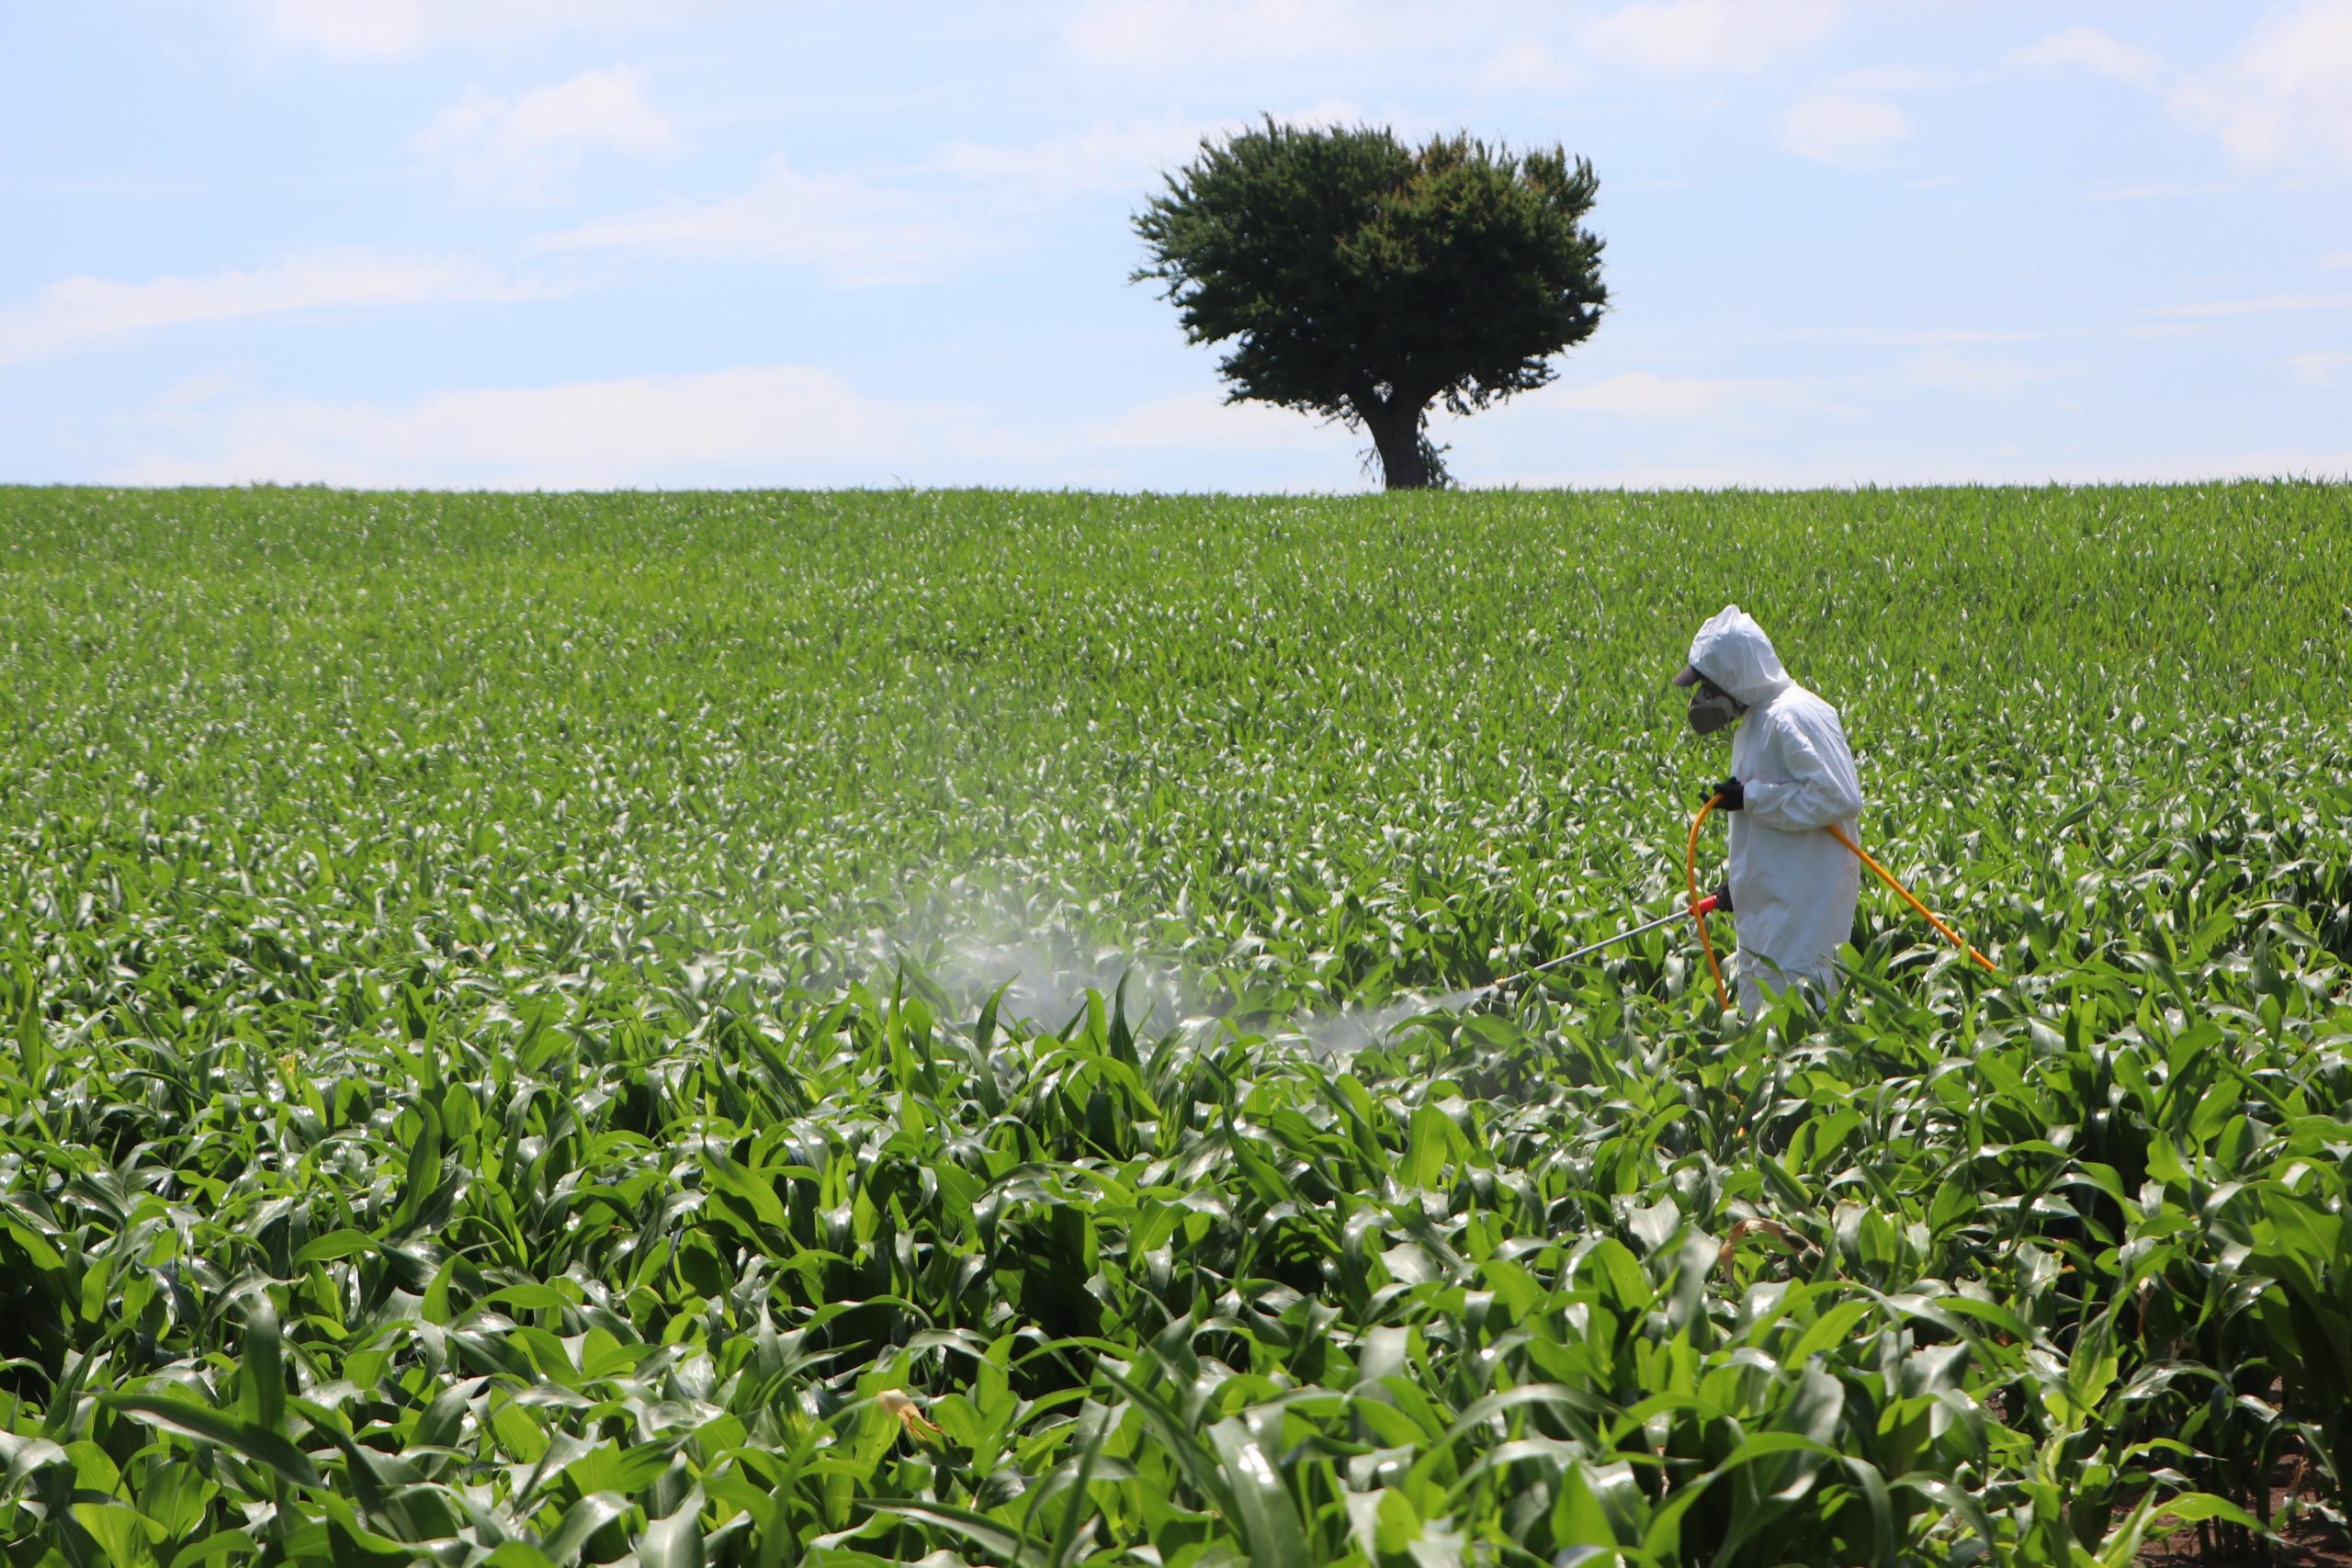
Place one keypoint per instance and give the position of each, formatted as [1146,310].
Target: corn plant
[817,1029]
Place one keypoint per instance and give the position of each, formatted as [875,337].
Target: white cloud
[80,311]
[1531,68]
[763,424]
[1161,33]
[2317,367]
[384,29]
[2283,101]
[782,423]
[2102,54]
[1676,35]
[2260,305]
[805,424]
[1850,132]
[853,233]
[519,149]
[2341,258]
[1669,37]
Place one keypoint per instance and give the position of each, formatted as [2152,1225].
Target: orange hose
[1887,876]
[1698,916]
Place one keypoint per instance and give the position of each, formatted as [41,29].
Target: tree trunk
[1396,428]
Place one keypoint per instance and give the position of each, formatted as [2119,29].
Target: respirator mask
[1713,709]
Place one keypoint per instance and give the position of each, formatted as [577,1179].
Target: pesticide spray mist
[1042,978]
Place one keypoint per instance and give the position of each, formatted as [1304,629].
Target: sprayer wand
[1702,907]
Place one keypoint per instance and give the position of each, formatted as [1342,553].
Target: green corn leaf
[333,1245]
[261,1445]
[1262,1503]
[234,1544]
[675,1542]
[264,1372]
[581,1520]
[992,1535]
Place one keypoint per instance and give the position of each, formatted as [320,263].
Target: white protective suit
[1792,885]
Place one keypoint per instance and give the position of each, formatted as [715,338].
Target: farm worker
[1792,885]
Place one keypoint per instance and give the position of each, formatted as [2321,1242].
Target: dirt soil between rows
[2309,1543]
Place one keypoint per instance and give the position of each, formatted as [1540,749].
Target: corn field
[912,1027]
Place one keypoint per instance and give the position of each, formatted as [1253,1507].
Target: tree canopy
[1365,280]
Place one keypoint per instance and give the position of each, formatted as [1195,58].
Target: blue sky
[597,243]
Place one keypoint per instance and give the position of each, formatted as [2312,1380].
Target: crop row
[518,1055]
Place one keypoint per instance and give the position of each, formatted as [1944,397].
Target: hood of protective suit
[1732,650]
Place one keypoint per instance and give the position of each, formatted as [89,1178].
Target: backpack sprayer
[1699,908]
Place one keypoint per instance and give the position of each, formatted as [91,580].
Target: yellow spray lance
[1707,945]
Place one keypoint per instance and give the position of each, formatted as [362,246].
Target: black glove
[1733,794]
[1722,896]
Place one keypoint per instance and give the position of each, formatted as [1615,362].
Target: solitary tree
[1362,280]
